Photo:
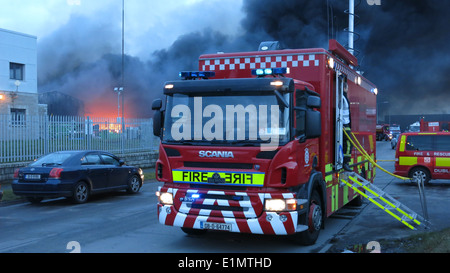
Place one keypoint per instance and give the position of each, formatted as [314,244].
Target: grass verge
[431,242]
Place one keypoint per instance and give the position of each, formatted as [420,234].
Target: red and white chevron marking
[250,219]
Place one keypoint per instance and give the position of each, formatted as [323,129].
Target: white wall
[20,48]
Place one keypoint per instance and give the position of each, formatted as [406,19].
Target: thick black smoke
[403,45]
[81,59]
[402,49]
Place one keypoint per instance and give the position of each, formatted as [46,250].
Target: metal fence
[25,137]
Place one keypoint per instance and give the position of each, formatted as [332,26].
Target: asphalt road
[123,223]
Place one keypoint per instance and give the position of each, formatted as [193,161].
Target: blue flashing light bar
[191,75]
[261,72]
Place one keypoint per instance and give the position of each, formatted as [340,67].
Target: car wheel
[420,173]
[134,184]
[35,200]
[80,193]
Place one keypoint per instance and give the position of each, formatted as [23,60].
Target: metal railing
[26,137]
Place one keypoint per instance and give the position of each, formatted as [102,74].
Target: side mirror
[121,162]
[313,102]
[157,117]
[313,126]
[157,123]
[157,104]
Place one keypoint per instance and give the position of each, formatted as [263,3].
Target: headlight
[166,198]
[280,204]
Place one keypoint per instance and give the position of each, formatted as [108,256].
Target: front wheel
[314,222]
[134,184]
[420,173]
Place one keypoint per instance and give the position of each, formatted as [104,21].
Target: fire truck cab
[252,142]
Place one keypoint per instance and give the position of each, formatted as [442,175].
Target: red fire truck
[252,142]
[434,126]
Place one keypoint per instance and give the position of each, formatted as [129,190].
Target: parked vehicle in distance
[423,155]
[76,175]
[394,141]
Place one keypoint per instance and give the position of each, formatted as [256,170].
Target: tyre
[134,184]
[314,222]
[420,173]
[80,193]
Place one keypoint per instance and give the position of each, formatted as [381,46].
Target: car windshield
[54,159]
[226,119]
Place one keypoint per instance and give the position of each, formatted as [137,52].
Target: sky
[157,23]
[402,46]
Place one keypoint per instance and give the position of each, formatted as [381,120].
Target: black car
[76,175]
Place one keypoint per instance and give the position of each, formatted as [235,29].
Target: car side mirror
[121,162]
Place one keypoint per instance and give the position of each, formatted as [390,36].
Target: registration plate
[215,226]
[33,177]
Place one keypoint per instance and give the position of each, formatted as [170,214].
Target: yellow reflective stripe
[231,178]
[371,142]
[442,162]
[402,144]
[334,197]
[345,193]
[407,160]
[328,168]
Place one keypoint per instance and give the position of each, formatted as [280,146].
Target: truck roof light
[276,83]
[261,72]
[331,62]
[192,75]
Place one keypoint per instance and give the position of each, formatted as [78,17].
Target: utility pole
[123,45]
[351,25]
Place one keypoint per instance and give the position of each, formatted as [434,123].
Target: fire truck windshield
[247,119]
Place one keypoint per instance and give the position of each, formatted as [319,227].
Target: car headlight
[166,198]
[280,204]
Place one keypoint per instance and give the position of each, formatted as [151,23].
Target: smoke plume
[402,49]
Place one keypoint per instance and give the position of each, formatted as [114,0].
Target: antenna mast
[351,25]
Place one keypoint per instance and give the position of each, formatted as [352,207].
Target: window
[91,159]
[18,116]
[108,160]
[16,71]
[420,143]
[442,143]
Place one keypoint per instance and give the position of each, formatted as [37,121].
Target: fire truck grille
[219,203]
[212,207]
